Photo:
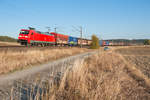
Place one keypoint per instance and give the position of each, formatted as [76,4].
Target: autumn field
[13,60]
[139,57]
[114,74]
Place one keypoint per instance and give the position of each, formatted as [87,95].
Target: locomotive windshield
[24,32]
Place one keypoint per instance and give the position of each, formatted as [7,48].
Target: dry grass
[9,43]
[139,57]
[138,51]
[11,61]
[105,76]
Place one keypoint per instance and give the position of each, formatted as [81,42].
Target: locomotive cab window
[24,32]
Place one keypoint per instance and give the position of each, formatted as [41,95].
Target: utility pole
[48,29]
[55,29]
[81,32]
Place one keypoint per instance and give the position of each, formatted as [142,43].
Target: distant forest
[7,39]
[134,41]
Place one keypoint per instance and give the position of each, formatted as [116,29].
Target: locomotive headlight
[26,36]
[20,36]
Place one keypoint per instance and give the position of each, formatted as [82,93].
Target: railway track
[10,46]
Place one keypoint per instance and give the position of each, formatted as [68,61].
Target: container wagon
[89,42]
[60,39]
[84,41]
[72,41]
[106,43]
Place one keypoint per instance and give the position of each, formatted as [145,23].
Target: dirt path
[42,72]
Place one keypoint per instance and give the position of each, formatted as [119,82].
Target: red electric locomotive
[32,37]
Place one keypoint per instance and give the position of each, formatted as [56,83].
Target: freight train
[116,43]
[31,37]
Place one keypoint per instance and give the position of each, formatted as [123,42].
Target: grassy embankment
[105,76]
[12,61]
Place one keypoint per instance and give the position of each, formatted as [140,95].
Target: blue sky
[106,18]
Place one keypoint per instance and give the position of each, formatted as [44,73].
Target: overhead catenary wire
[80,30]
[48,29]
